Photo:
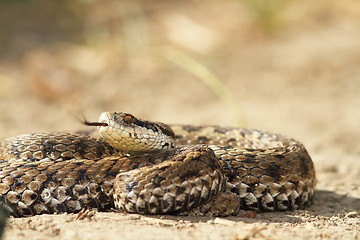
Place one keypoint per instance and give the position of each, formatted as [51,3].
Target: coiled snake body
[149,168]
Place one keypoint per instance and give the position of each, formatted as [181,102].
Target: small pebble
[134,217]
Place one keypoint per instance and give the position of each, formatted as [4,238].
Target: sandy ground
[295,71]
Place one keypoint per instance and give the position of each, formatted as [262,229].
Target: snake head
[129,134]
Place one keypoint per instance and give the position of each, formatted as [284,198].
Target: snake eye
[128,119]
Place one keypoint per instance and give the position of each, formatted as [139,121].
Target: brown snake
[145,167]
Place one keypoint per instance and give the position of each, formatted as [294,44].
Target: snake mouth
[96,124]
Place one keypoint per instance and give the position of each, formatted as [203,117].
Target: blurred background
[291,67]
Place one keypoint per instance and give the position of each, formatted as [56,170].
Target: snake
[145,167]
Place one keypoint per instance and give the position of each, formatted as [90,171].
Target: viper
[146,167]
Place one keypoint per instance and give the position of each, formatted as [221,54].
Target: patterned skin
[150,168]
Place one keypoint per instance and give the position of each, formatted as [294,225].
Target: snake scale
[146,167]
